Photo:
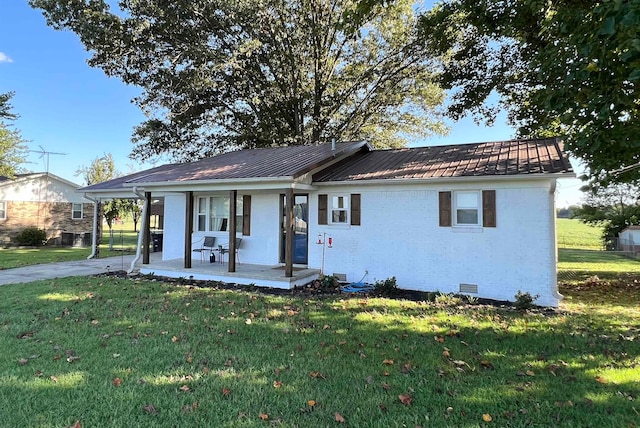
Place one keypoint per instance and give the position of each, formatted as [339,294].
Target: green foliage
[386,288]
[101,169]
[612,207]
[218,75]
[13,149]
[448,299]
[567,68]
[327,282]
[32,236]
[525,301]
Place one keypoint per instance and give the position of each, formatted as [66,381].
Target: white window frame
[336,209]
[3,210]
[207,219]
[462,205]
[74,210]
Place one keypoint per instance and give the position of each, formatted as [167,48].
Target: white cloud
[4,57]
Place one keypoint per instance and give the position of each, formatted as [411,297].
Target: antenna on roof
[44,152]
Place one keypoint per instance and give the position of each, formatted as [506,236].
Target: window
[3,210]
[76,211]
[339,209]
[212,214]
[467,208]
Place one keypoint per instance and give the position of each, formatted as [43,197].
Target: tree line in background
[12,146]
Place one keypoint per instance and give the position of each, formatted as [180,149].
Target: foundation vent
[469,288]
[342,277]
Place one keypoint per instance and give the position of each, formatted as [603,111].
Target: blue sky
[65,106]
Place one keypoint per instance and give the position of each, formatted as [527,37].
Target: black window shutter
[489,208]
[246,215]
[445,209]
[322,209]
[355,209]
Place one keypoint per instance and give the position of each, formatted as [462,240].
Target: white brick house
[472,218]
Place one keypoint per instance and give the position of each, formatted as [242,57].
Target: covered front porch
[245,274]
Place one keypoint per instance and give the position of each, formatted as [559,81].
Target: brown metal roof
[291,161]
[501,158]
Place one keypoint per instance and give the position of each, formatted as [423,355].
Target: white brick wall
[400,237]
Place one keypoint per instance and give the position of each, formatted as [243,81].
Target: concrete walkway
[65,269]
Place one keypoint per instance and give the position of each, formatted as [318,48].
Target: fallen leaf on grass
[72,358]
[311,403]
[486,364]
[317,375]
[405,399]
[388,362]
[446,353]
[486,417]
[185,388]
[149,408]
[76,425]
[339,418]
[226,392]
[190,408]
[174,339]
[264,416]
[406,368]
[54,379]
[277,384]
[23,361]
[600,379]
[117,382]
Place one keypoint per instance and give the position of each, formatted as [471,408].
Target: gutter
[94,237]
[143,226]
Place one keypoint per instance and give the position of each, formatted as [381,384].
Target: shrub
[448,299]
[386,288]
[32,236]
[326,282]
[525,300]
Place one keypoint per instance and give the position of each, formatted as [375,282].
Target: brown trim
[288,224]
[355,209]
[146,238]
[188,228]
[489,208]
[246,215]
[233,210]
[322,209]
[444,203]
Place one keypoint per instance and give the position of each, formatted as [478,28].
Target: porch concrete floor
[245,274]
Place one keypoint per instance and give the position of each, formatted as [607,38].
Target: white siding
[39,189]
[400,237]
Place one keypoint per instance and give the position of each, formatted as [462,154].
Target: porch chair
[224,249]
[208,245]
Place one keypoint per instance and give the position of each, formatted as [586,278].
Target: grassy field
[573,233]
[112,352]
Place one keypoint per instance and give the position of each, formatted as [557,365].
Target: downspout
[94,237]
[554,240]
[143,225]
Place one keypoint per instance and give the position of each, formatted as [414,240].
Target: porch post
[147,229]
[288,244]
[188,227]
[233,200]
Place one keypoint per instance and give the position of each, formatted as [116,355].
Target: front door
[300,228]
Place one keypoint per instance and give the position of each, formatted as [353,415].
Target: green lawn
[114,352]
[16,257]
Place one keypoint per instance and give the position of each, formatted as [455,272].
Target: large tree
[12,145]
[220,74]
[567,67]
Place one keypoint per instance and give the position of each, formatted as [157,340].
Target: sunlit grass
[573,233]
[153,354]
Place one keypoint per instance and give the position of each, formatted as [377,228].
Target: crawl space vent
[469,288]
[342,277]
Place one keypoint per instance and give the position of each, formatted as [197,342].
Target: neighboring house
[471,218]
[45,201]
[629,239]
